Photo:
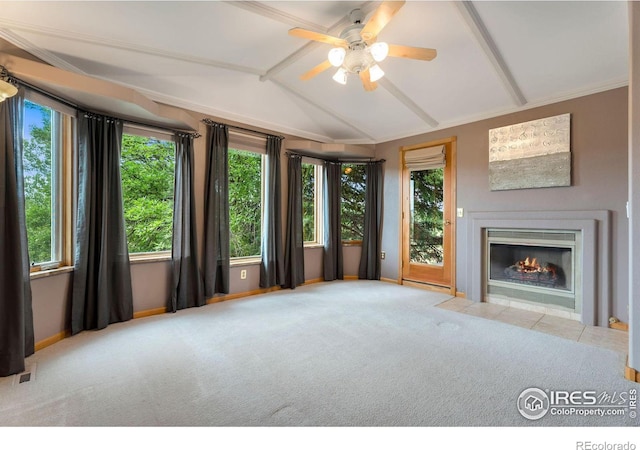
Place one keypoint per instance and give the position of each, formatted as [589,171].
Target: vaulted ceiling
[236,60]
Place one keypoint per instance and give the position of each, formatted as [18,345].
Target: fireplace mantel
[596,252]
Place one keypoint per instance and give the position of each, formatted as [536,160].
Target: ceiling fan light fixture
[379,51]
[375,73]
[341,76]
[6,89]
[336,56]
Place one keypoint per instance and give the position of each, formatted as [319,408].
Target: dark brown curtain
[16,316]
[294,249]
[272,265]
[102,276]
[216,210]
[370,263]
[187,288]
[333,266]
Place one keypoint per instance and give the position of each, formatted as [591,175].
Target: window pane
[245,203]
[147,166]
[308,202]
[427,219]
[353,191]
[39,180]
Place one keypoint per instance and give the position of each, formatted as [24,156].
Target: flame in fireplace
[531,265]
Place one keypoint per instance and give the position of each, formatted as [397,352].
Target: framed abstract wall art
[535,154]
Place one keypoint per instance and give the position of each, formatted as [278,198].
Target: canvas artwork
[535,154]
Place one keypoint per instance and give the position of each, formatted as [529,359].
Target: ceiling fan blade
[316,70]
[404,51]
[366,81]
[312,35]
[380,18]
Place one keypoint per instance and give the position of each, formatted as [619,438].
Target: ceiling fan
[357,51]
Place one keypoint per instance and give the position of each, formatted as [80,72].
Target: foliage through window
[148,171]
[352,205]
[426,209]
[245,203]
[42,182]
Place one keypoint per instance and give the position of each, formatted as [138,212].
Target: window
[426,209]
[245,203]
[147,167]
[352,205]
[46,195]
[311,203]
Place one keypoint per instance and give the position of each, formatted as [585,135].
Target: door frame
[451,160]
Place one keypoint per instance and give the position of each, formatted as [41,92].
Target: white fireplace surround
[596,252]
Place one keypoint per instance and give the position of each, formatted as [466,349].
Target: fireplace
[535,267]
[590,275]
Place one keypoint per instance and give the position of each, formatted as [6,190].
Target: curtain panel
[333,265]
[102,291]
[16,320]
[294,249]
[272,265]
[187,287]
[370,263]
[216,210]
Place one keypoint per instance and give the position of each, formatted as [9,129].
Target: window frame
[63,186]
[318,200]
[348,242]
[161,135]
[250,144]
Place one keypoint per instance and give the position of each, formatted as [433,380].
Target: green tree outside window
[245,203]
[147,169]
[38,170]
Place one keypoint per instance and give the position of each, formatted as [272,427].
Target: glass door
[428,230]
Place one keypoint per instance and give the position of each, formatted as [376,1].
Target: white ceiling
[236,61]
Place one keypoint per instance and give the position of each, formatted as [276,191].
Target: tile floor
[569,329]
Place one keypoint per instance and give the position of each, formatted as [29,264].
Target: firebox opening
[532,265]
[539,269]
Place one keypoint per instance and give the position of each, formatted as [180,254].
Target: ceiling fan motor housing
[351,34]
[357,58]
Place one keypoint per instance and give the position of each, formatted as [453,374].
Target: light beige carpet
[345,353]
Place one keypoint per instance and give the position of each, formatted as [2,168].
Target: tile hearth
[615,340]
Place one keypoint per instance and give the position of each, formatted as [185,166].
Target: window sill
[313,245]
[141,258]
[51,272]
[248,261]
[352,243]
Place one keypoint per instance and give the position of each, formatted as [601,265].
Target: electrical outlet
[460,212]
[243,274]
[383,255]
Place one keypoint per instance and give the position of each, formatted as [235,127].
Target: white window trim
[252,259]
[62,185]
[318,205]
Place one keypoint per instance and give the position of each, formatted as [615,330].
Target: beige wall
[599,179]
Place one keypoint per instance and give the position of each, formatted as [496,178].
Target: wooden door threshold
[429,287]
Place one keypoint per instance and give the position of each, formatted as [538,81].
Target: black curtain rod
[364,160]
[45,93]
[84,110]
[235,127]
